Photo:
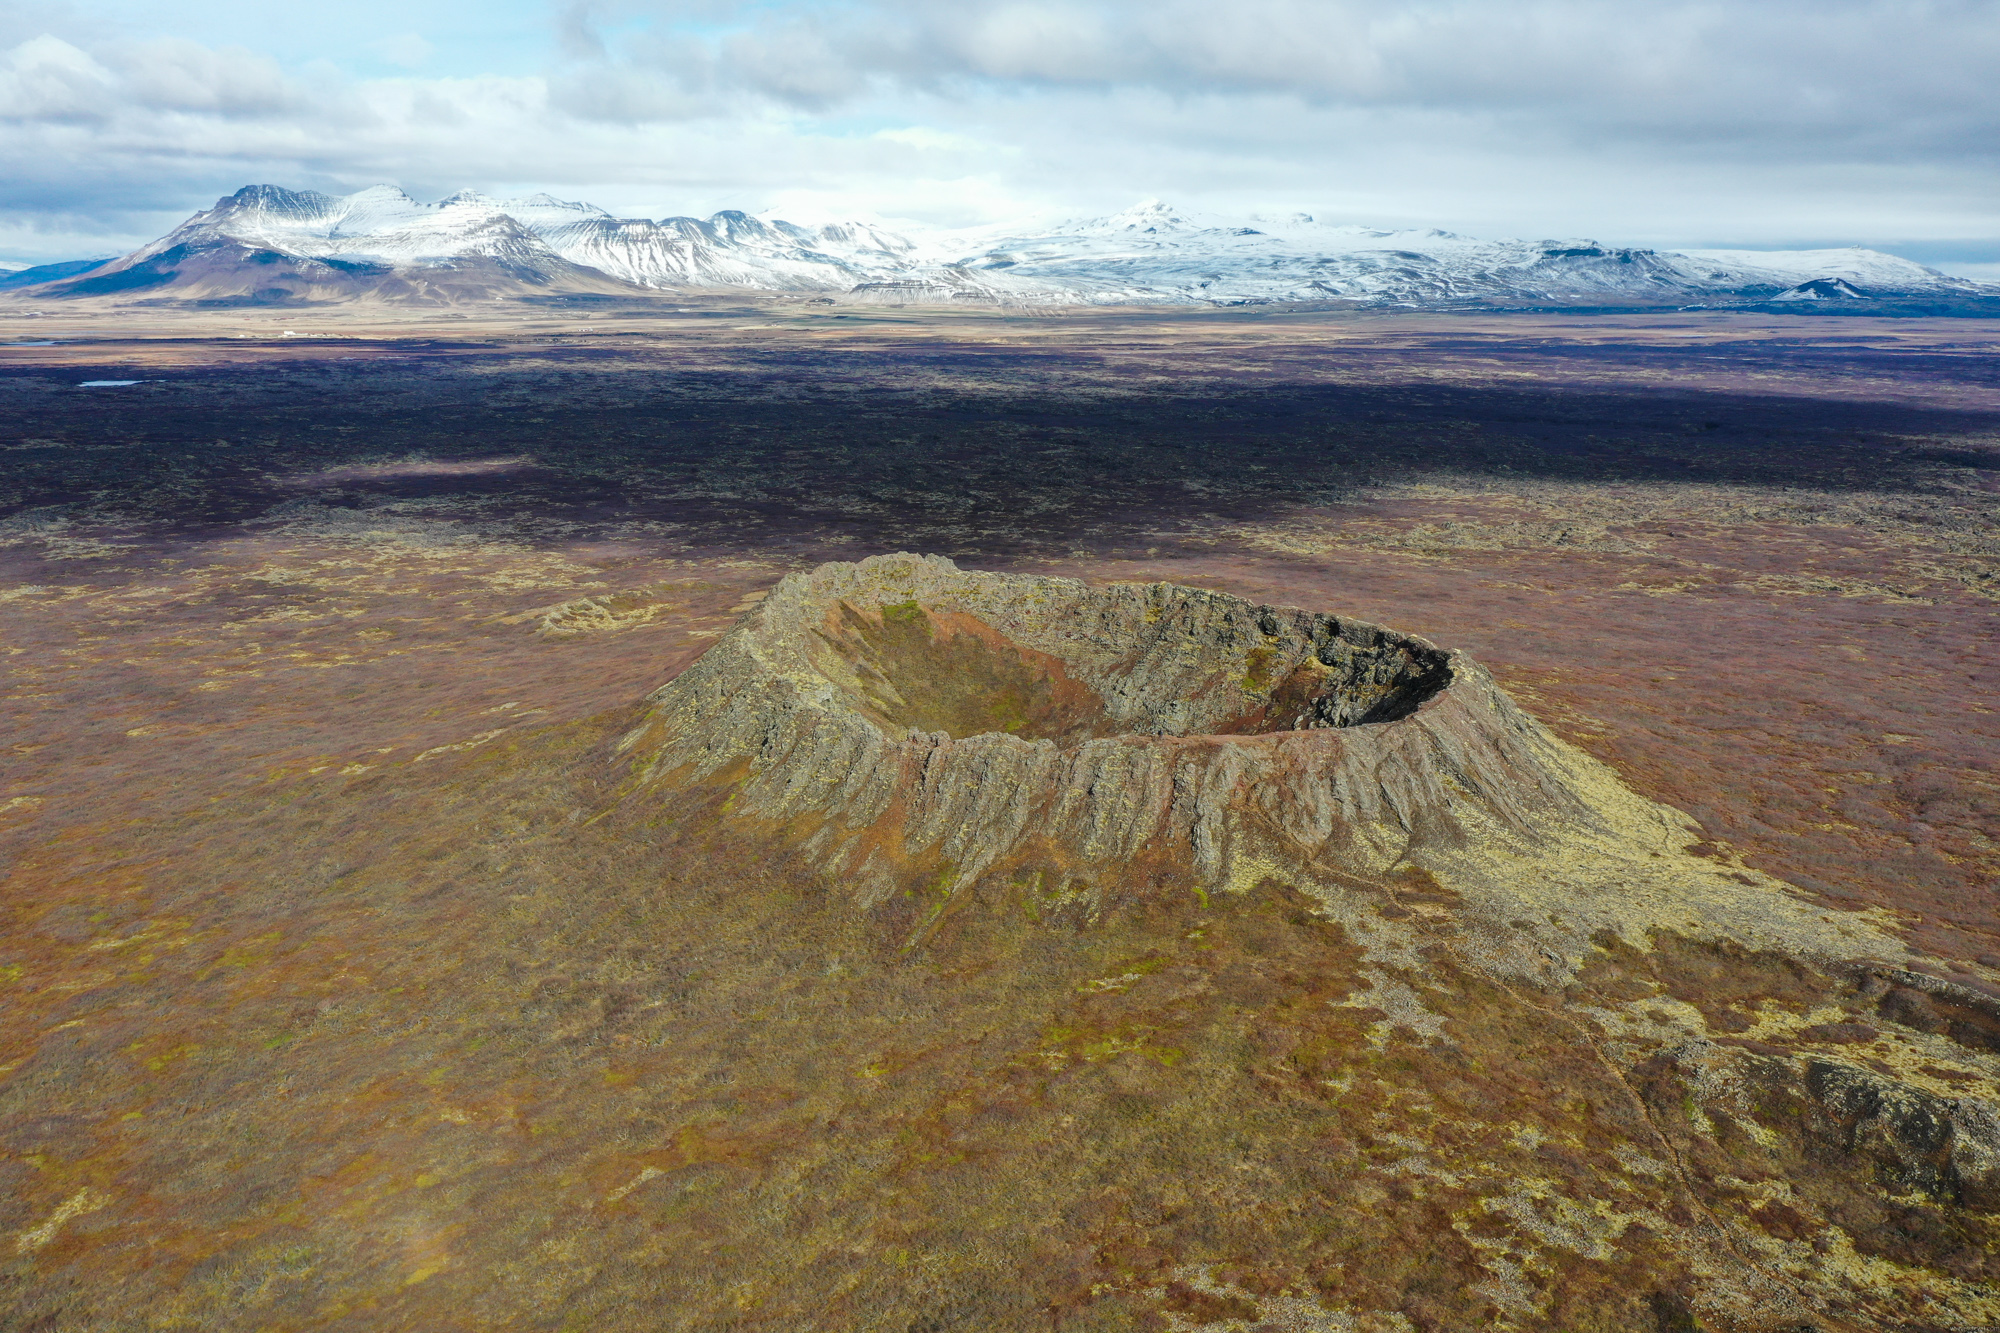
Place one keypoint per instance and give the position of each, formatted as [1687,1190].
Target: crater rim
[1159,661]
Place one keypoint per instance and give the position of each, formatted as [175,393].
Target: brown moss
[951,673]
[1727,983]
[482,1017]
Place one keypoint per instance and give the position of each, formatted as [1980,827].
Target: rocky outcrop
[1784,1092]
[1945,1147]
[907,719]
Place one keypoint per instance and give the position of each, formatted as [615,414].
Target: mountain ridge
[266,244]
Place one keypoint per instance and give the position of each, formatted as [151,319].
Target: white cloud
[47,80]
[1859,73]
[1685,121]
[922,136]
[172,74]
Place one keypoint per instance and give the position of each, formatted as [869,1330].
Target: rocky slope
[271,245]
[955,726]
[939,745]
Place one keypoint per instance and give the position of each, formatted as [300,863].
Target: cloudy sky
[1766,123]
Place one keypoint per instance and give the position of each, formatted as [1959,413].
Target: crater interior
[1189,664]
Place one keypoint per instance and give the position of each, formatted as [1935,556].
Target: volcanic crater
[1174,671]
[905,722]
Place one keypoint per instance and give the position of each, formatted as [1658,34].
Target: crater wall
[910,721]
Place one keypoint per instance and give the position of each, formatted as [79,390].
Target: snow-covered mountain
[265,243]
[1152,253]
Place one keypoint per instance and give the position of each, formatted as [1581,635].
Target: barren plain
[347,981]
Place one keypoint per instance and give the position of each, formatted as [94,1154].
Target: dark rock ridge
[911,722]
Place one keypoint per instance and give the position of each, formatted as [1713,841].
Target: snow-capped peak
[1149,253]
[1150,215]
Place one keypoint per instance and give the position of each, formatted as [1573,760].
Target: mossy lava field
[782,818]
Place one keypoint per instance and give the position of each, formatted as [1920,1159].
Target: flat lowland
[346,983]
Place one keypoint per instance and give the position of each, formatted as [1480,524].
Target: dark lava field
[339,989]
